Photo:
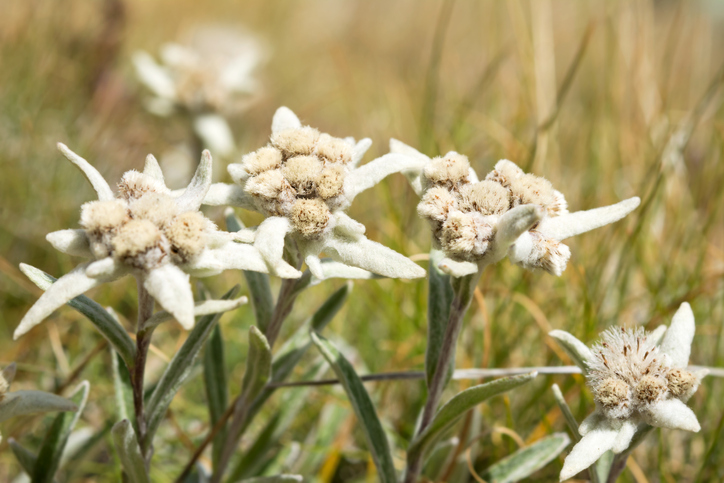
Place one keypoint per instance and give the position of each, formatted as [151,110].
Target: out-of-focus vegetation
[606,99]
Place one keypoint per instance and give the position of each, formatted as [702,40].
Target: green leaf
[21,403]
[25,457]
[110,328]
[440,295]
[527,460]
[454,409]
[217,394]
[258,365]
[124,439]
[576,350]
[179,368]
[363,408]
[261,296]
[122,387]
[57,436]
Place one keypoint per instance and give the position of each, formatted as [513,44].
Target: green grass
[485,86]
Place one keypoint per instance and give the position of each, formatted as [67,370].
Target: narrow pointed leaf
[122,387]
[124,439]
[110,328]
[527,460]
[57,436]
[258,364]
[197,189]
[99,184]
[21,403]
[576,350]
[440,295]
[179,368]
[454,409]
[25,457]
[217,394]
[363,408]
[261,296]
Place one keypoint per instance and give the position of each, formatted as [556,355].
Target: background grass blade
[363,408]
[57,436]
[458,406]
[25,457]
[528,460]
[258,365]
[124,439]
[109,327]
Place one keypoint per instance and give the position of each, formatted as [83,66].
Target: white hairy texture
[94,177]
[587,451]
[169,285]
[359,150]
[300,141]
[625,435]
[269,239]
[187,235]
[678,338]
[457,269]
[368,175]
[197,189]
[157,208]
[672,414]
[73,242]
[505,172]
[103,216]
[264,159]
[284,119]
[436,204]
[333,149]
[373,257]
[572,224]
[486,197]
[309,217]
[543,253]
[577,350]
[151,168]
[449,169]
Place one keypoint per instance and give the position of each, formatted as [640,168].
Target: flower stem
[143,341]
[463,288]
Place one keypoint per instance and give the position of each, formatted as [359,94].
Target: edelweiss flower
[148,233]
[477,223]
[211,75]
[303,181]
[637,378]
[20,403]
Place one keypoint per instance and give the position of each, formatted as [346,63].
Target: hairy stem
[463,288]
[143,341]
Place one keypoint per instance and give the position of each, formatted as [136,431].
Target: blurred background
[607,100]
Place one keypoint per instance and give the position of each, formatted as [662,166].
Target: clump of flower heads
[299,175]
[509,213]
[628,374]
[464,212]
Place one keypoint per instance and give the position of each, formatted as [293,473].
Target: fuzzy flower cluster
[510,212]
[638,378]
[303,181]
[147,231]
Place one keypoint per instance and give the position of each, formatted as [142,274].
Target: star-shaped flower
[303,182]
[209,76]
[476,223]
[638,378]
[147,232]
[19,403]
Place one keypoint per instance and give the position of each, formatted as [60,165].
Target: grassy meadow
[607,100]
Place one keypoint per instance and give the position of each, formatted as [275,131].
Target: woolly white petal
[577,350]
[151,168]
[657,334]
[72,242]
[105,268]
[359,150]
[170,286]
[207,307]
[155,77]
[510,227]
[413,176]
[284,119]
[625,435]
[314,264]
[587,451]
[571,224]
[370,174]
[220,194]
[64,289]
[672,414]
[92,175]
[196,191]
[215,133]
[269,240]
[372,256]
[594,419]
[679,336]
[329,268]
[345,225]
[239,256]
[457,269]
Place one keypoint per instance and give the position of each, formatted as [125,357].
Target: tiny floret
[187,234]
[103,216]
[331,182]
[262,160]
[157,208]
[296,141]
[310,217]
[134,185]
[486,197]
[334,150]
[451,169]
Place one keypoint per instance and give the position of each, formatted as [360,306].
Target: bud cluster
[144,227]
[629,374]
[464,212]
[299,175]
